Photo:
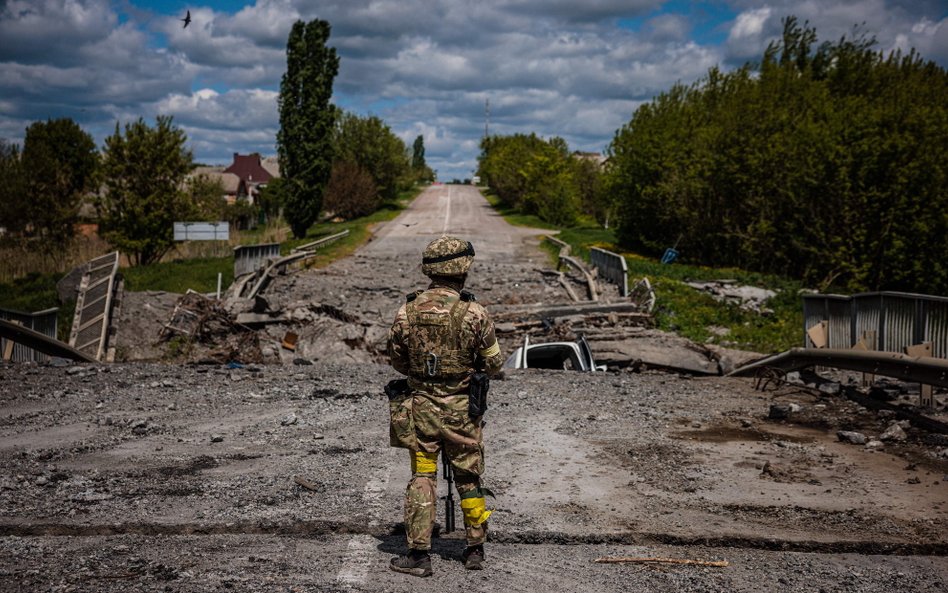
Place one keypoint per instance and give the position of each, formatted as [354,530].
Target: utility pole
[487,118]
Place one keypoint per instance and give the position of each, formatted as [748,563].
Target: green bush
[825,163]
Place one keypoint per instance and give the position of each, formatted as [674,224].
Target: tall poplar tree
[418,153]
[304,142]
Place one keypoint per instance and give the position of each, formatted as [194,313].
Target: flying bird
[187,20]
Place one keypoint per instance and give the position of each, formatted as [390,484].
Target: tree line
[140,182]
[541,177]
[825,162]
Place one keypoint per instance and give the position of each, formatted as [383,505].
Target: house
[251,171]
[234,187]
[597,158]
[272,165]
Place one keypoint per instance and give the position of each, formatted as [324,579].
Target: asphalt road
[144,477]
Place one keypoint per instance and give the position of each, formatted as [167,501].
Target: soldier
[439,338]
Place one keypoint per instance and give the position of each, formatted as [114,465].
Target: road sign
[202,231]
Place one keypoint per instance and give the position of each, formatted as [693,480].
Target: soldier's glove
[397,388]
[477,399]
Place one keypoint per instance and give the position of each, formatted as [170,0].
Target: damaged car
[570,356]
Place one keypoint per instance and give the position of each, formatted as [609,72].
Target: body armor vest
[436,350]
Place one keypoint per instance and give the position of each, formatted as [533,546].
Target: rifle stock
[449,497]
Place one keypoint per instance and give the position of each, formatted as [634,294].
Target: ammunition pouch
[435,348]
[477,397]
[402,425]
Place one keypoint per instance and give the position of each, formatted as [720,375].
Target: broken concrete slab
[751,298]
[656,351]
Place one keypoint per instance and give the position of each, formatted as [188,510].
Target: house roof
[596,157]
[272,165]
[229,181]
[249,169]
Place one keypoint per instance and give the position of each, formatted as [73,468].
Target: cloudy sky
[570,68]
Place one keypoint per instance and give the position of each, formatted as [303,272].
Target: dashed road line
[361,550]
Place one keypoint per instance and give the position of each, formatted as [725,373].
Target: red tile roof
[249,169]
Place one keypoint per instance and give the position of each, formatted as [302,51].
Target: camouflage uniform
[437,339]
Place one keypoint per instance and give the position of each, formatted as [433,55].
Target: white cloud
[554,67]
[61,25]
[751,32]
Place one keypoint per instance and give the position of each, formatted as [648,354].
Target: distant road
[458,210]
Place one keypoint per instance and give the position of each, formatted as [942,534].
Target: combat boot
[473,557]
[416,563]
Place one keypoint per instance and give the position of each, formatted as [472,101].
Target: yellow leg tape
[424,463]
[475,511]
[490,350]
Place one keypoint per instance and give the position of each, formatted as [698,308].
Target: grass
[178,276]
[514,217]
[682,309]
[37,292]
[200,274]
[360,230]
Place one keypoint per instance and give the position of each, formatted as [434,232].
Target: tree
[304,141]
[144,170]
[206,195]
[418,153]
[59,160]
[272,198]
[371,144]
[351,191]
[827,164]
[420,169]
[13,196]
[533,175]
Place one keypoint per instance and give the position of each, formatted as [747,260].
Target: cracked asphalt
[154,477]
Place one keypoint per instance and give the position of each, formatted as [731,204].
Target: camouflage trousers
[442,425]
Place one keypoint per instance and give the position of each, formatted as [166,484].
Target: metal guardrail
[932,371]
[45,322]
[247,258]
[320,242]
[94,306]
[611,266]
[891,320]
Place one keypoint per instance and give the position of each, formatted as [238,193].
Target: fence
[44,322]
[247,258]
[611,266]
[94,306]
[895,319]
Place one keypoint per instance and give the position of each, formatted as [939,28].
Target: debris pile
[749,298]
[201,329]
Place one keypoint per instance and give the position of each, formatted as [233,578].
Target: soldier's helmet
[447,256]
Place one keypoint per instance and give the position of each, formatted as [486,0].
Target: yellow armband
[490,351]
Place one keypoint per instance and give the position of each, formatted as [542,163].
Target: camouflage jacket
[463,345]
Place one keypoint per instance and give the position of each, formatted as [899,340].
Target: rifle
[449,497]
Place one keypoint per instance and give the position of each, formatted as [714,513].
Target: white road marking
[447,214]
[361,552]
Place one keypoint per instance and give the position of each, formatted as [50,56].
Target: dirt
[180,477]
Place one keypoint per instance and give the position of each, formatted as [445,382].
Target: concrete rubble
[751,298]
